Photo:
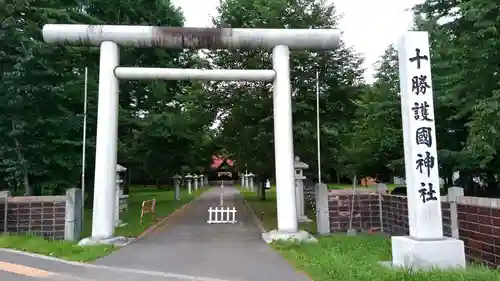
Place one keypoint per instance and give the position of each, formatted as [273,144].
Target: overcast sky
[369,25]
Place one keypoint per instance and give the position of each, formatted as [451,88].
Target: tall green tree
[246,108]
[42,97]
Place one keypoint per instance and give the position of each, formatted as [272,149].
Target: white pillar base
[443,253]
[275,235]
[118,241]
[304,219]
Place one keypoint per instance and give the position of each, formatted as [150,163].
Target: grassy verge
[333,186]
[68,250]
[343,258]
[266,210]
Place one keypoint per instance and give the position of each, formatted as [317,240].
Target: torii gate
[109,37]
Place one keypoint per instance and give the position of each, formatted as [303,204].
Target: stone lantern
[250,181]
[299,188]
[118,193]
[201,180]
[189,178]
[177,186]
[245,176]
[195,180]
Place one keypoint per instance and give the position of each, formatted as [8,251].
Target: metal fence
[309,196]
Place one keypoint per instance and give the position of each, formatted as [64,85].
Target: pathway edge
[259,224]
[255,218]
[153,227]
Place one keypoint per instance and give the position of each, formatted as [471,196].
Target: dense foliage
[465,54]
[166,127]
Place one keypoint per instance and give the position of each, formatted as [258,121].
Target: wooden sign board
[148,207]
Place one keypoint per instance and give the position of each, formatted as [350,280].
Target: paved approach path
[20,266]
[187,245]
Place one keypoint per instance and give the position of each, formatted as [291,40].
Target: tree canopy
[169,127]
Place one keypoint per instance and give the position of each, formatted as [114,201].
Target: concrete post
[73,217]
[5,193]
[242,178]
[322,209]
[201,180]
[454,193]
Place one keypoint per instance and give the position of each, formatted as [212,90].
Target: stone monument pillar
[201,180]
[425,247]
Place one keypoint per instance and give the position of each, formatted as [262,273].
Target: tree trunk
[491,185]
[27,189]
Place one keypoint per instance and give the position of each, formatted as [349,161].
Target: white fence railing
[221,215]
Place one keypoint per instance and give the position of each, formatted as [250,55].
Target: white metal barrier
[221,215]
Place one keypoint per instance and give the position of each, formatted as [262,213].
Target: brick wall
[478,220]
[365,210]
[479,228]
[33,215]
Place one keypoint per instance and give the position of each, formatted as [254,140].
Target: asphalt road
[183,248]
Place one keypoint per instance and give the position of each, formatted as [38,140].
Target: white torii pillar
[109,37]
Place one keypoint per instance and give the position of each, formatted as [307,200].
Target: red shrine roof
[217,161]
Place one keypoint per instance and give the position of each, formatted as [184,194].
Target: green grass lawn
[342,258]
[266,210]
[69,250]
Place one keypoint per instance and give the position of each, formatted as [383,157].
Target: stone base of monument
[118,241]
[408,252]
[276,235]
[304,219]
